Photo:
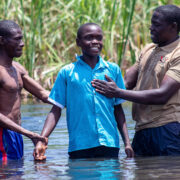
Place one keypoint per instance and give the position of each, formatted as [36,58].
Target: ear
[1,40]
[175,26]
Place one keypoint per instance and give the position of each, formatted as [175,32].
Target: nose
[21,43]
[151,28]
[94,40]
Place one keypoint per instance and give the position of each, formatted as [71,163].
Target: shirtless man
[13,77]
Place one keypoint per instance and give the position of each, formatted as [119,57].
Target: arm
[34,88]
[7,123]
[131,77]
[49,126]
[31,85]
[154,96]
[121,122]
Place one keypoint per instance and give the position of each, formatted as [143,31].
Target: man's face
[14,43]
[91,40]
[160,29]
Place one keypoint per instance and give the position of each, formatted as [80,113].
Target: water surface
[58,166]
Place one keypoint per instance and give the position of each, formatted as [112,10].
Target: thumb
[35,153]
[108,78]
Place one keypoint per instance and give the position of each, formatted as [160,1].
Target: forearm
[35,88]
[121,123]
[154,96]
[51,121]
[7,123]
[43,95]
[40,93]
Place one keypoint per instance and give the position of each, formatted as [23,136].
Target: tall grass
[50,27]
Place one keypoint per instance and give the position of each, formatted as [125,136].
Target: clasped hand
[39,151]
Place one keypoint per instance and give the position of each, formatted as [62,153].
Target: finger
[129,153]
[98,85]
[108,78]
[99,81]
[41,158]
[36,153]
[100,91]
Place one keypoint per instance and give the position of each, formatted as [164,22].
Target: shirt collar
[101,63]
[171,46]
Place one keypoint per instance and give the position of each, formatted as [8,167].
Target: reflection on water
[58,166]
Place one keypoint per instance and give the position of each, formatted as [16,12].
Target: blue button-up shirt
[90,115]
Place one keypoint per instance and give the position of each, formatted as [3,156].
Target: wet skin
[13,77]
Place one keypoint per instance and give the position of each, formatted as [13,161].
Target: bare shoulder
[20,68]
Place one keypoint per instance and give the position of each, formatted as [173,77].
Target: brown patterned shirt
[154,63]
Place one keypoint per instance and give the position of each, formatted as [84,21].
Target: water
[58,166]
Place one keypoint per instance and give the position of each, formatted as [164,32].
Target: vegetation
[50,27]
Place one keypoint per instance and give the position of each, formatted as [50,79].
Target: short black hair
[6,27]
[171,14]
[79,32]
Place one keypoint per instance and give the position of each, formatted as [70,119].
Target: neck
[90,60]
[168,42]
[5,60]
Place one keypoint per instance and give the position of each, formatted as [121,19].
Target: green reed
[50,26]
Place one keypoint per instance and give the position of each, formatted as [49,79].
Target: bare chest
[10,80]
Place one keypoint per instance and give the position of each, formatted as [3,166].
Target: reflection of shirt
[153,64]
[90,115]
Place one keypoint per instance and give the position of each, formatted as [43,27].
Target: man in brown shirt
[155,80]
[13,77]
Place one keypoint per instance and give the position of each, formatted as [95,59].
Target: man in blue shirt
[93,120]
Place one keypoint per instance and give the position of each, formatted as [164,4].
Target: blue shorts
[159,141]
[11,144]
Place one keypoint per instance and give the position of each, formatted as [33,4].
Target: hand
[36,138]
[39,151]
[129,151]
[107,88]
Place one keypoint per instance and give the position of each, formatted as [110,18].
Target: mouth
[95,48]
[153,35]
[19,50]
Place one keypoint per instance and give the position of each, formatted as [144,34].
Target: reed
[50,26]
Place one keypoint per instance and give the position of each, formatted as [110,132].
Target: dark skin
[163,34]
[13,77]
[91,44]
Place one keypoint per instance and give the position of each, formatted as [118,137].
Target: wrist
[127,144]
[118,92]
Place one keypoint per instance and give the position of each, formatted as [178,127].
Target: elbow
[129,85]
[163,100]
[45,96]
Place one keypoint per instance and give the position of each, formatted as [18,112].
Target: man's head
[165,24]
[11,38]
[89,38]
